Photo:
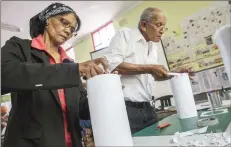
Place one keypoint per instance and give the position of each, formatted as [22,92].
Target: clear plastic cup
[215,100]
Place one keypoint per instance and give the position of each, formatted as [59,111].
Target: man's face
[155,29]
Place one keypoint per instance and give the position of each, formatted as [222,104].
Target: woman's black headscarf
[38,22]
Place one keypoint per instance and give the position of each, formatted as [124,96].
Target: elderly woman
[48,98]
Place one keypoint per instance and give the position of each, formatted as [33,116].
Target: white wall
[6,35]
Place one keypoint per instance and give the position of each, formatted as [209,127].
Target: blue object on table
[85,124]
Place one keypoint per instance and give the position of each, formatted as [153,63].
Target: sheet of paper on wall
[202,17]
[167,43]
[183,44]
[206,31]
[195,32]
[178,46]
[174,44]
[191,25]
[213,22]
[191,30]
[185,25]
[187,44]
[201,82]
[220,16]
[227,10]
[223,77]
[204,20]
[199,22]
[198,83]
[209,25]
[206,81]
[193,21]
[220,3]
[225,7]
[214,77]
[195,38]
[195,84]
[186,39]
[211,79]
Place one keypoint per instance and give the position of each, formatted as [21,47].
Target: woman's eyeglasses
[67,24]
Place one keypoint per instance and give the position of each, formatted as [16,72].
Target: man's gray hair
[149,14]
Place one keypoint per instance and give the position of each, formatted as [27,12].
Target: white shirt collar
[137,35]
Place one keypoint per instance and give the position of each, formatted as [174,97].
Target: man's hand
[91,68]
[163,78]
[185,70]
[102,61]
[159,72]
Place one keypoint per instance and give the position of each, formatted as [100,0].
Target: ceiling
[92,13]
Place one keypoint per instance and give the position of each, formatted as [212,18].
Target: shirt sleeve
[116,50]
[18,74]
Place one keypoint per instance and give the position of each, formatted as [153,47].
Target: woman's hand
[91,68]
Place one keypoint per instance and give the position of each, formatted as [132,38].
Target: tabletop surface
[183,125]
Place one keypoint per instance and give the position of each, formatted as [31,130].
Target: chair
[2,135]
[165,101]
[222,39]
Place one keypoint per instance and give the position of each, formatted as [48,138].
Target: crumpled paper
[195,143]
[220,139]
[177,136]
[195,138]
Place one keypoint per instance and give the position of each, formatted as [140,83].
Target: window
[102,37]
[71,53]
[69,50]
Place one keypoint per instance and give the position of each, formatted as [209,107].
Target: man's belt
[137,104]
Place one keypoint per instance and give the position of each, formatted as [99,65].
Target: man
[133,53]
[4,117]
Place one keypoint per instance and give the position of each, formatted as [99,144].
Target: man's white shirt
[128,45]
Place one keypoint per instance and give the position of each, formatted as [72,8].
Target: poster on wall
[209,80]
[196,47]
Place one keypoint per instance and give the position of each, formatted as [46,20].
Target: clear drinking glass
[215,100]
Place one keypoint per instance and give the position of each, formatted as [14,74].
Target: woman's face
[60,28]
